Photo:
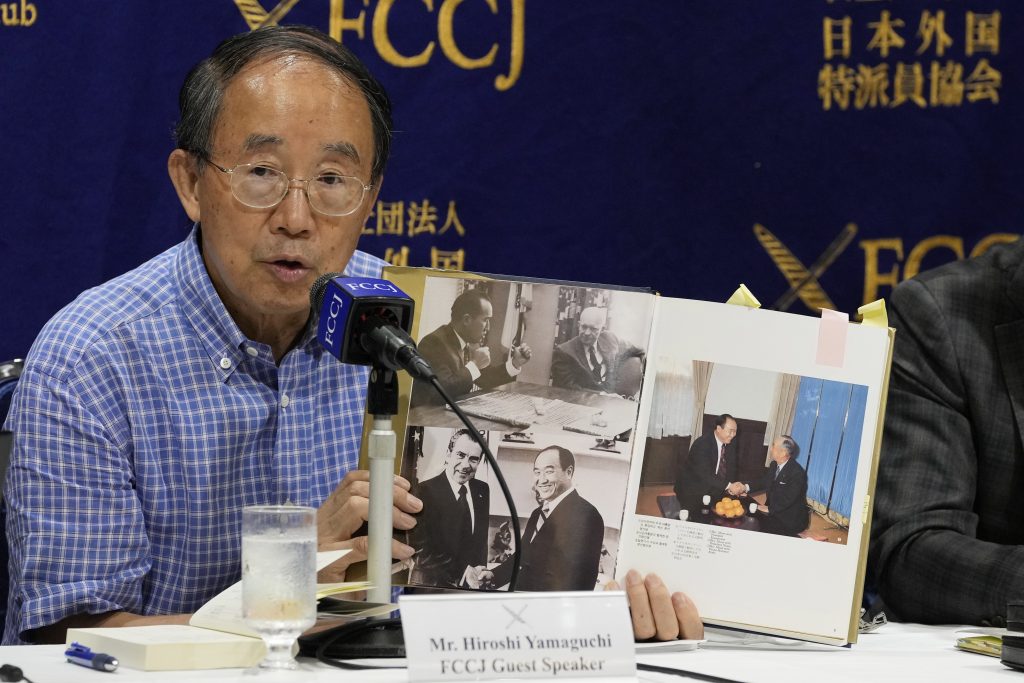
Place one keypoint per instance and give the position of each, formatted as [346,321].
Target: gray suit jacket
[570,368]
[948,533]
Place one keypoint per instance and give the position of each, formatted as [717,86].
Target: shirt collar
[553,503]
[454,484]
[216,329]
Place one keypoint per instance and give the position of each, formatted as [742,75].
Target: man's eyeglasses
[263,187]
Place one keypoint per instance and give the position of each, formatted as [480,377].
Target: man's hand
[359,550]
[481,355]
[736,488]
[471,577]
[655,613]
[348,507]
[486,576]
[762,508]
[521,355]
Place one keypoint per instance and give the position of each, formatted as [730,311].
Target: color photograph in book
[752,450]
[532,357]
[569,491]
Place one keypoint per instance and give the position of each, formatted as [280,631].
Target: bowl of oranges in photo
[729,508]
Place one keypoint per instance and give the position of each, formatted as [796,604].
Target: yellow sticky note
[873,314]
[743,297]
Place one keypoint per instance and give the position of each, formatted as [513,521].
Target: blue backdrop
[684,145]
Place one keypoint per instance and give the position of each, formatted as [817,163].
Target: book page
[224,611]
[797,569]
[560,427]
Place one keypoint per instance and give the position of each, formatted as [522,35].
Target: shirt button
[285,400]
[225,363]
[251,350]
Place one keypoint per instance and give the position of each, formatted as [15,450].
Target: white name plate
[483,636]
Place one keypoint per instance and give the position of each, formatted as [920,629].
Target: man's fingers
[334,507]
[690,625]
[358,548]
[401,551]
[357,488]
[665,624]
[347,508]
[639,606]
[401,520]
[343,522]
[404,500]
[354,476]
[655,614]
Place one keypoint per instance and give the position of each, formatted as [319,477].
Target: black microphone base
[364,639]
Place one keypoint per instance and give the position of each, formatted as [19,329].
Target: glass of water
[279,577]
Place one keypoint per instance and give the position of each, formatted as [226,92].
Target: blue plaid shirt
[144,421]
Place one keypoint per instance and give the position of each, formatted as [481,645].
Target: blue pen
[83,656]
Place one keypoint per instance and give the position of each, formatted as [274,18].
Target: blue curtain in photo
[846,469]
[824,447]
[806,415]
[827,426]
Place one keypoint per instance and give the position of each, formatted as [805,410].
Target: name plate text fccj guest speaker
[486,636]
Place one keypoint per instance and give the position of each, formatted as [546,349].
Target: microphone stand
[382,403]
[376,636]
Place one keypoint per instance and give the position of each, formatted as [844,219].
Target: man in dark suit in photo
[459,355]
[591,360]
[563,537]
[785,507]
[709,469]
[450,536]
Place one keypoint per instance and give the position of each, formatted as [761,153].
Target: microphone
[366,321]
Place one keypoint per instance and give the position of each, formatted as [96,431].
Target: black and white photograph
[568,492]
[533,356]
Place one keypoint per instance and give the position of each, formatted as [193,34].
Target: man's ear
[181,166]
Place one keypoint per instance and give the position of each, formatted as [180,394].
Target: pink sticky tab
[832,338]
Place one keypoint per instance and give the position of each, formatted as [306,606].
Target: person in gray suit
[785,483]
[591,360]
[948,533]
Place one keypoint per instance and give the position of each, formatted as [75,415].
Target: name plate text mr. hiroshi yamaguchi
[481,636]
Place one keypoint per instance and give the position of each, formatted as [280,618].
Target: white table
[896,652]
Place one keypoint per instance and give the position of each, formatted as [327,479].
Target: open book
[216,636]
[604,408]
